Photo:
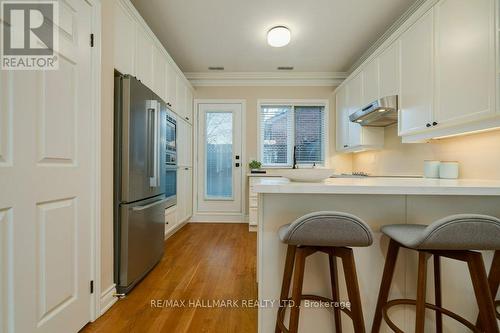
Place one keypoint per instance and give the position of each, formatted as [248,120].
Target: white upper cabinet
[159,77]
[189,105]
[465,63]
[389,71]
[342,120]
[124,40]
[355,103]
[371,82]
[416,92]
[352,136]
[144,49]
[180,98]
[171,86]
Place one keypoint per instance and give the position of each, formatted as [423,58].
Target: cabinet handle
[428,125]
[434,123]
[187,118]
[345,146]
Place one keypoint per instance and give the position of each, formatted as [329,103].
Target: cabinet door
[124,40]
[355,103]
[171,86]
[389,71]
[371,83]
[416,76]
[181,194]
[184,144]
[144,58]
[189,105]
[465,60]
[180,108]
[159,79]
[342,117]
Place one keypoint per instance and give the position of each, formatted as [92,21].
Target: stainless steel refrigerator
[140,175]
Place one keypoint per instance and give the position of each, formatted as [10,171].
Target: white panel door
[46,186]
[355,103]
[389,71]
[465,60]
[416,102]
[219,158]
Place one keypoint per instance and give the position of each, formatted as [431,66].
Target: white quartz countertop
[380,185]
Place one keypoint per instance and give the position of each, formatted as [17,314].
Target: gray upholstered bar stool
[455,237]
[332,233]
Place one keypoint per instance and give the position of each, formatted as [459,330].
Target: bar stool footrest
[308,297]
[406,301]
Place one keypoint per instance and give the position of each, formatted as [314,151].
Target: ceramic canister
[448,170]
[431,169]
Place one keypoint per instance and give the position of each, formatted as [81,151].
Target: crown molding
[210,79]
[388,33]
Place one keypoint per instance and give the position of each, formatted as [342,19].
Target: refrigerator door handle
[154,181]
[139,208]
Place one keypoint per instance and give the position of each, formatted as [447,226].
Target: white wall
[478,155]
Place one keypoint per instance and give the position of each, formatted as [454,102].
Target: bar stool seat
[326,229]
[332,233]
[456,237]
[455,232]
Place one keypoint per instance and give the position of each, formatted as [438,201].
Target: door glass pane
[219,155]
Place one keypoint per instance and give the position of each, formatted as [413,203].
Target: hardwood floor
[202,262]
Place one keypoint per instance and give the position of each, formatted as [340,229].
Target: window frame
[293,103]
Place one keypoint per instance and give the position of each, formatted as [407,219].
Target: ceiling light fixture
[279,36]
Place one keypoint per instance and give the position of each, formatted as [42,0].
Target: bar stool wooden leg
[287,279]
[493,279]
[335,290]
[483,293]
[421,290]
[437,293]
[385,285]
[352,288]
[298,279]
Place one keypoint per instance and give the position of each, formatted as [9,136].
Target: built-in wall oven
[171,157]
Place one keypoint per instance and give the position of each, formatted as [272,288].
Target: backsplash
[478,155]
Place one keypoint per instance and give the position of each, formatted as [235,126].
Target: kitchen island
[378,201]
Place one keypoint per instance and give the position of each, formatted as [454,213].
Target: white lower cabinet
[253,202]
[170,219]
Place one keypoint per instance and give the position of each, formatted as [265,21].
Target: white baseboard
[108,299]
[177,228]
[218,218]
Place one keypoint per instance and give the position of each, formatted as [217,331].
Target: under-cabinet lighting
[466,133]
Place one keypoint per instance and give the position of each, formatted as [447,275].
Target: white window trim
[294,102]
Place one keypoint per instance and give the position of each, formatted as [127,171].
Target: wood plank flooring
[202,262]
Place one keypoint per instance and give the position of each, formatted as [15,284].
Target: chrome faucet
[294,157]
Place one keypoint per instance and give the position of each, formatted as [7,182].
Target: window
[283,127]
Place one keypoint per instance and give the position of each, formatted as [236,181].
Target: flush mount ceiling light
[278,36]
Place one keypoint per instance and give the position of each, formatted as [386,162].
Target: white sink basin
[306,175]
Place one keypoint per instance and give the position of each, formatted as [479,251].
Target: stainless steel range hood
[383,112]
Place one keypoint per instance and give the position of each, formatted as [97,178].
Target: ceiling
[327,35]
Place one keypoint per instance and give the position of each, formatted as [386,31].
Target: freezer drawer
[141,240]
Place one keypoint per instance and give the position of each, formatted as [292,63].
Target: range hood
[383,112]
